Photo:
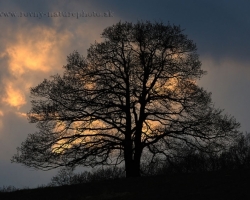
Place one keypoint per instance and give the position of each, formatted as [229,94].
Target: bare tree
[134,93]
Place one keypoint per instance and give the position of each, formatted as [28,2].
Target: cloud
[31,54]
[1,116]
[228,80]
[14,97]
[37,52]
[33,49]
[36,49]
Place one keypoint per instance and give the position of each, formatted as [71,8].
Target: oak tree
[134,93]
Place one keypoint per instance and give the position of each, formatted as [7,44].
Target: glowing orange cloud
[35,51]
[14,97]
[21,114]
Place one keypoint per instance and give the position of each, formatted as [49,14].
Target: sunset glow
[14,97]
[32,52]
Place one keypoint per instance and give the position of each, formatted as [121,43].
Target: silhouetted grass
[208,185]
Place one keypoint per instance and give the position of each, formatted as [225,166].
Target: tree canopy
[134,93]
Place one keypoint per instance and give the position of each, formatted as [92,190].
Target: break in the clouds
[33,48]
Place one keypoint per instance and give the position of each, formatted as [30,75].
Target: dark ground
[212,185]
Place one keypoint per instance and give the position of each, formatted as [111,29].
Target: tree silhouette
[134,93]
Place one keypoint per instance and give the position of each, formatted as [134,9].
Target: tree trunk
[132,162]
[132,168]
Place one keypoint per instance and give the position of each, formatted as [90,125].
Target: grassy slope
[212,185]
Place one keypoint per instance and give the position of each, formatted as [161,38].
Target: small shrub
[66,176]
[8,189]
[188,160]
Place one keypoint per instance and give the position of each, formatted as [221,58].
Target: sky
[35,43]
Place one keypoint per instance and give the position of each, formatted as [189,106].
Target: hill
[202,186]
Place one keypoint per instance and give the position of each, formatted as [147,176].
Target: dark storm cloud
[26,5]
[220,28]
